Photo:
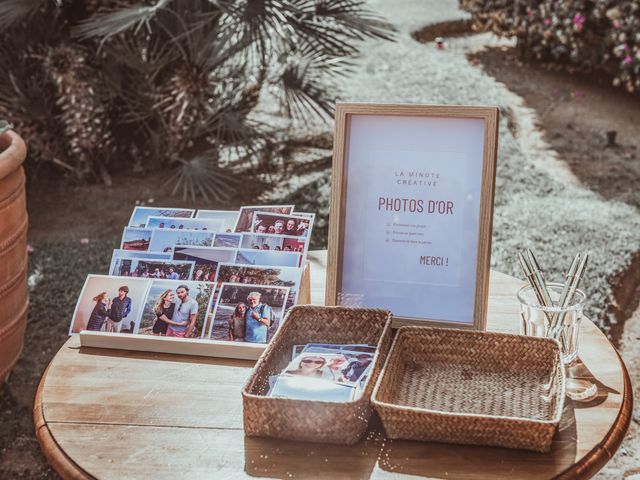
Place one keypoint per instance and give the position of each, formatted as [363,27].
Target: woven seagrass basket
[477,388]
[322,422]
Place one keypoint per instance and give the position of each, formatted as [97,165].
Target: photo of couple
[175,309]
[280,224]
[268,275]
[324,372]
[109,304]
[345,368]
[248,313]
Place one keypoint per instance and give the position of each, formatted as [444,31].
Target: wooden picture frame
[407,125]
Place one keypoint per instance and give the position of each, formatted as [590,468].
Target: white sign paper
[412,215]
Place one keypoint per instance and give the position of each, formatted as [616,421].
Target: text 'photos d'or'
[207,274]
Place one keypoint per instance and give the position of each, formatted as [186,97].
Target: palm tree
[99,85]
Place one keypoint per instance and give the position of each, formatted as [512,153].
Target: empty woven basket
[467,387]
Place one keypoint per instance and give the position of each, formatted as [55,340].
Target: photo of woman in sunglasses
[311,366]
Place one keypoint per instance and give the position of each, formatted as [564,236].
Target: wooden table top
[122,414]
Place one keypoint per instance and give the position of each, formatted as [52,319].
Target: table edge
[598,457]
[590,464]
[55,455]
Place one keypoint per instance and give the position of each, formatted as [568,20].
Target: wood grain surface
[119,414]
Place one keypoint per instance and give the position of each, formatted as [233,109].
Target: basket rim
[295,401]
[557,414]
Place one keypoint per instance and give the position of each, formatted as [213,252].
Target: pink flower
[578,20]
[617,24]
[628,59]
[547,21]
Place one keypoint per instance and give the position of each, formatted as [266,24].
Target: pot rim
[13,155]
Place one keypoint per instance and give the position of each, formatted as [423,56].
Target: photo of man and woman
[109,304]
[169,269]
[229,218]
[165,239]
[292,225]
[245,218]
[247,313]
[174,308]
[184,224]
[206,260]
[258,275]
[324,372]
[277,243]
[141,214]
[136,239]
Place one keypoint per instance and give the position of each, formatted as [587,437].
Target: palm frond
[303,94]
[201,176]
[113,23]
[13,12]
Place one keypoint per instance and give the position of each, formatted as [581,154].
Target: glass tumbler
[563,324]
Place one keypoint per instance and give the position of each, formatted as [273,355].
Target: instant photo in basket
[476,388]
[310,420]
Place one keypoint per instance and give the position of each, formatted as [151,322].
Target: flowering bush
[602,35]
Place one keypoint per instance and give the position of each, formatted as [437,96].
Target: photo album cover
[223,276]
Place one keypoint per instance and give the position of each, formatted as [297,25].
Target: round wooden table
[121,414]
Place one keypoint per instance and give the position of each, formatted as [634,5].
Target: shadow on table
[441,460]
[272,458]
[580,374]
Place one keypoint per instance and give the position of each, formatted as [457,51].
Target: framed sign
[411,211]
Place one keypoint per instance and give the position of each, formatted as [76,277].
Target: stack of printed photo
[210,274]
[324,372]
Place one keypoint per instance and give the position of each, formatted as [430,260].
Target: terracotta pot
[14,296]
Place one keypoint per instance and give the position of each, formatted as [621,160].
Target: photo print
[250,256]
[176,308]
[324,373]
[227,240]
[185,224]
[262,275]
[247,313]
[136,239]
[163,240]
[264,222]
[229,218]
[151,268]
[109,304]
[245,218]
[141,214]
[119,255]
[277,243]
[206,260]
